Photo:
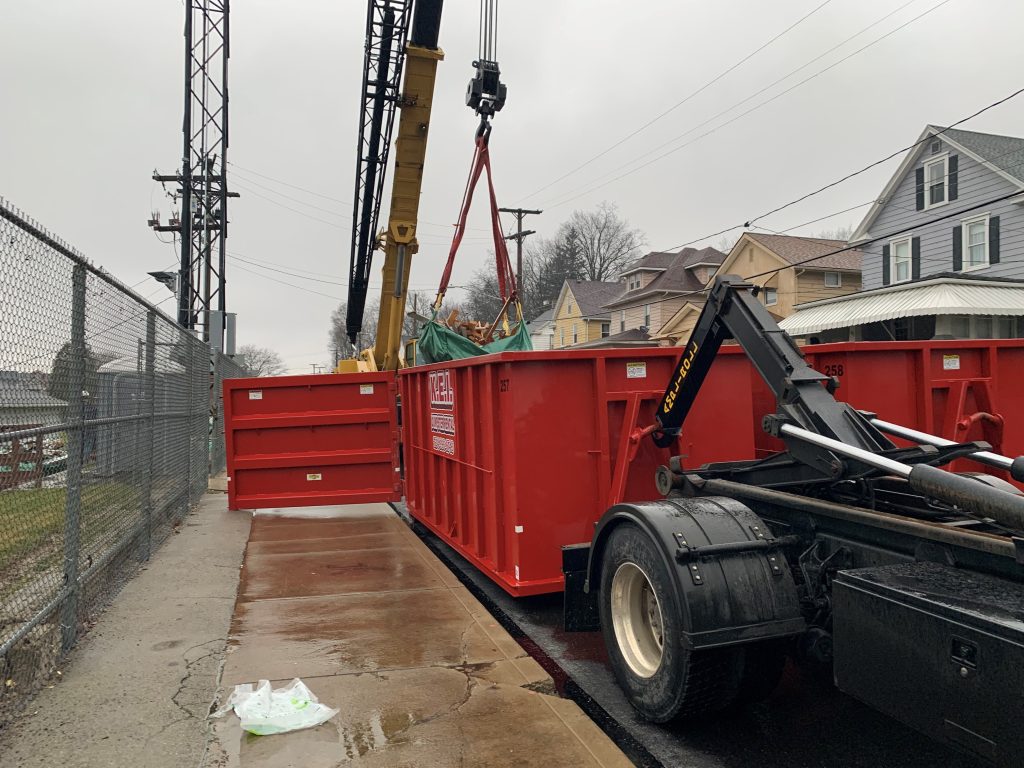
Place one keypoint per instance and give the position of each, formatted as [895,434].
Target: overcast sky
[92,103]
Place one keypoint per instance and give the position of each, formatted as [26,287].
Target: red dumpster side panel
[296,441]
[959,389]
[511,456]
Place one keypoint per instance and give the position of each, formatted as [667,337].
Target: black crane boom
[387,25]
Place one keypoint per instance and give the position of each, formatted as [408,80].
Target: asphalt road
[806,723]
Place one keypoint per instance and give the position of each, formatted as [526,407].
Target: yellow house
[791,271]
[580,315]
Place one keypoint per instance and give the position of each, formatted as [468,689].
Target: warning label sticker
[442,412]
[255,394]
[314,476]
[636,370]
[951,362]
[366,389]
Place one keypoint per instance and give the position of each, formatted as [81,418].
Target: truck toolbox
[938,647]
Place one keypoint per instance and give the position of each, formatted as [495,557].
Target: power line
[420,236]
[325,197]
[891,156]
[290,285]
[237,258]
[680,103]
[743,101]
[848,176]
[860,246]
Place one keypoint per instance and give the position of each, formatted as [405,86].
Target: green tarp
[438,344]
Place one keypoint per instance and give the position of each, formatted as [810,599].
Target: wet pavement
[806,723]
[352,602]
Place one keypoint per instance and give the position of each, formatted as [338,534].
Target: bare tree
[417,303]
[548,264]
[839,233]
[607,243]
[260,361]
[725,243]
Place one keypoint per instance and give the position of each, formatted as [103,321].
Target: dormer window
[935,172]
[633,282]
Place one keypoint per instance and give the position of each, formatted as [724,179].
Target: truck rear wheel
[641,619]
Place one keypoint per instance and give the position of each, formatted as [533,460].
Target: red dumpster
[298,441]
[510,456]
[961,390]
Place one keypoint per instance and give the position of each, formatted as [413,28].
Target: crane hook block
[486,93]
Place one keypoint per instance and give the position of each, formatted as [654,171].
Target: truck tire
[762,669]
[641,619]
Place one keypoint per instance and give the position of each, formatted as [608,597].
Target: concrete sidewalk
[137,688]
[351,601]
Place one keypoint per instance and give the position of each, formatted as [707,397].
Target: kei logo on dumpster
[442,412]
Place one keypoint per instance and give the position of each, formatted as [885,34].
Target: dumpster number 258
[833,370]
[503,385]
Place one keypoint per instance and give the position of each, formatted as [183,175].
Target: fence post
[216,432]
[189,428]
[76,443]
[148,432]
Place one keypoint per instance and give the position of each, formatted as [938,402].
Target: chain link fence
[223,368]
[109,428]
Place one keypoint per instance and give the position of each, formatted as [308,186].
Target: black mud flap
[580,612]
[938,648]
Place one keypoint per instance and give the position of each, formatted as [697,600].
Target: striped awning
[931,297]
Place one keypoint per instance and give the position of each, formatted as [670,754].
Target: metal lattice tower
[387,24]
[203,177]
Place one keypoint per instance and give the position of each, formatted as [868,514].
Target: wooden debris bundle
[474,330]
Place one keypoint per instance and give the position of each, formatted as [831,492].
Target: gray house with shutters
[956,204]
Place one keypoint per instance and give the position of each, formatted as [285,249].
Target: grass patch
[30,519]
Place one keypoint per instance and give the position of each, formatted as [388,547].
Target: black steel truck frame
[843,549]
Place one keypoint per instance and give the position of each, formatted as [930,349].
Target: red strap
[506,277]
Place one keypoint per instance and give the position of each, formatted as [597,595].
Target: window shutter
[954,164]
[885,265]
[915,258]
[993,240]
[919,182]
[958,249]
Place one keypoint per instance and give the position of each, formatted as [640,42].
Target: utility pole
[520,213]
[202,181]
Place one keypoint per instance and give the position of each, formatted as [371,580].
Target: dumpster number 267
[503,385]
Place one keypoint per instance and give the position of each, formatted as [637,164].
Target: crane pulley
[486,93]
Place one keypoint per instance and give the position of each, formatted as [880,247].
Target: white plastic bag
[264,711]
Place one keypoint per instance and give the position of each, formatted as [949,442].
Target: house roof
[945,294]
[1004,152]
[655,260]
[678,315]
[23,389]
[544,317]
[798,250]
[1003,155]
[693,256]
[678,277]
[591,295]
[28,398]
[634,337]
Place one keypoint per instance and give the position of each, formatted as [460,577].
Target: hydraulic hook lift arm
[827,441]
